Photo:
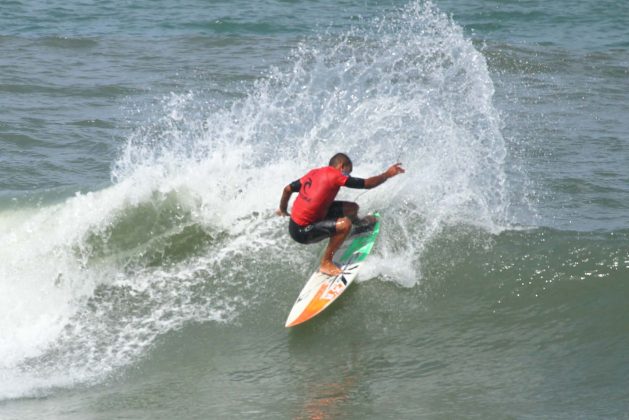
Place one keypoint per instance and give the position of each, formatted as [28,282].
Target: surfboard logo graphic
[304,189]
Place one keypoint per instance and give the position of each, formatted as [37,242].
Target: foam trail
[84,305]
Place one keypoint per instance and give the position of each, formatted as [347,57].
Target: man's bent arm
[286,193]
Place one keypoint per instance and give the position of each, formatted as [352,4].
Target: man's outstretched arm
[393,170]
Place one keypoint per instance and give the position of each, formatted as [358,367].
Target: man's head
[342,162]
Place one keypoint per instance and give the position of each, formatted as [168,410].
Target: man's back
[318,190]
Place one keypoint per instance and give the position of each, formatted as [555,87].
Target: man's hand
[394,170]
[281,212]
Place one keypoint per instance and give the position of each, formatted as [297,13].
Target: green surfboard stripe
[362,245]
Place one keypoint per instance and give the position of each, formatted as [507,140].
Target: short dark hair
[340,158]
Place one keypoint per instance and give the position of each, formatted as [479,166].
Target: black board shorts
[318,230]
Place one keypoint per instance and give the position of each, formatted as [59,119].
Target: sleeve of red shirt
[341,179]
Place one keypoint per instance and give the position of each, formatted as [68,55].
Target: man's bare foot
[330,269]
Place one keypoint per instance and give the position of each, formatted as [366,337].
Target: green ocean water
[143,150]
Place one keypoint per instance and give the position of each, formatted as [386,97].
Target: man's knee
[343,225]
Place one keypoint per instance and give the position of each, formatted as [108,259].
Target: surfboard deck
[321,290]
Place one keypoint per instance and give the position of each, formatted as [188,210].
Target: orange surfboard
[321,290]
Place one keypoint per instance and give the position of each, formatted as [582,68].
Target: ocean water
[143,149]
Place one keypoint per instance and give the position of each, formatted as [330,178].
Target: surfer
[316,216]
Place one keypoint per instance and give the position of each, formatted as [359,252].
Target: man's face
[347,169]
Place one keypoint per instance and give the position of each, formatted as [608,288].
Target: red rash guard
[318,190]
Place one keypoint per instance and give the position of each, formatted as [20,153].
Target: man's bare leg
[350,210]
[343,227]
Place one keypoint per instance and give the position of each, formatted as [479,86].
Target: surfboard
[321,290]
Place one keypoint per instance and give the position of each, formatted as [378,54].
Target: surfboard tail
[316,305]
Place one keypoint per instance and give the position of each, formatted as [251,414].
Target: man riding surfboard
[316,216]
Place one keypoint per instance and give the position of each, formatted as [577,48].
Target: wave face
[186,231]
